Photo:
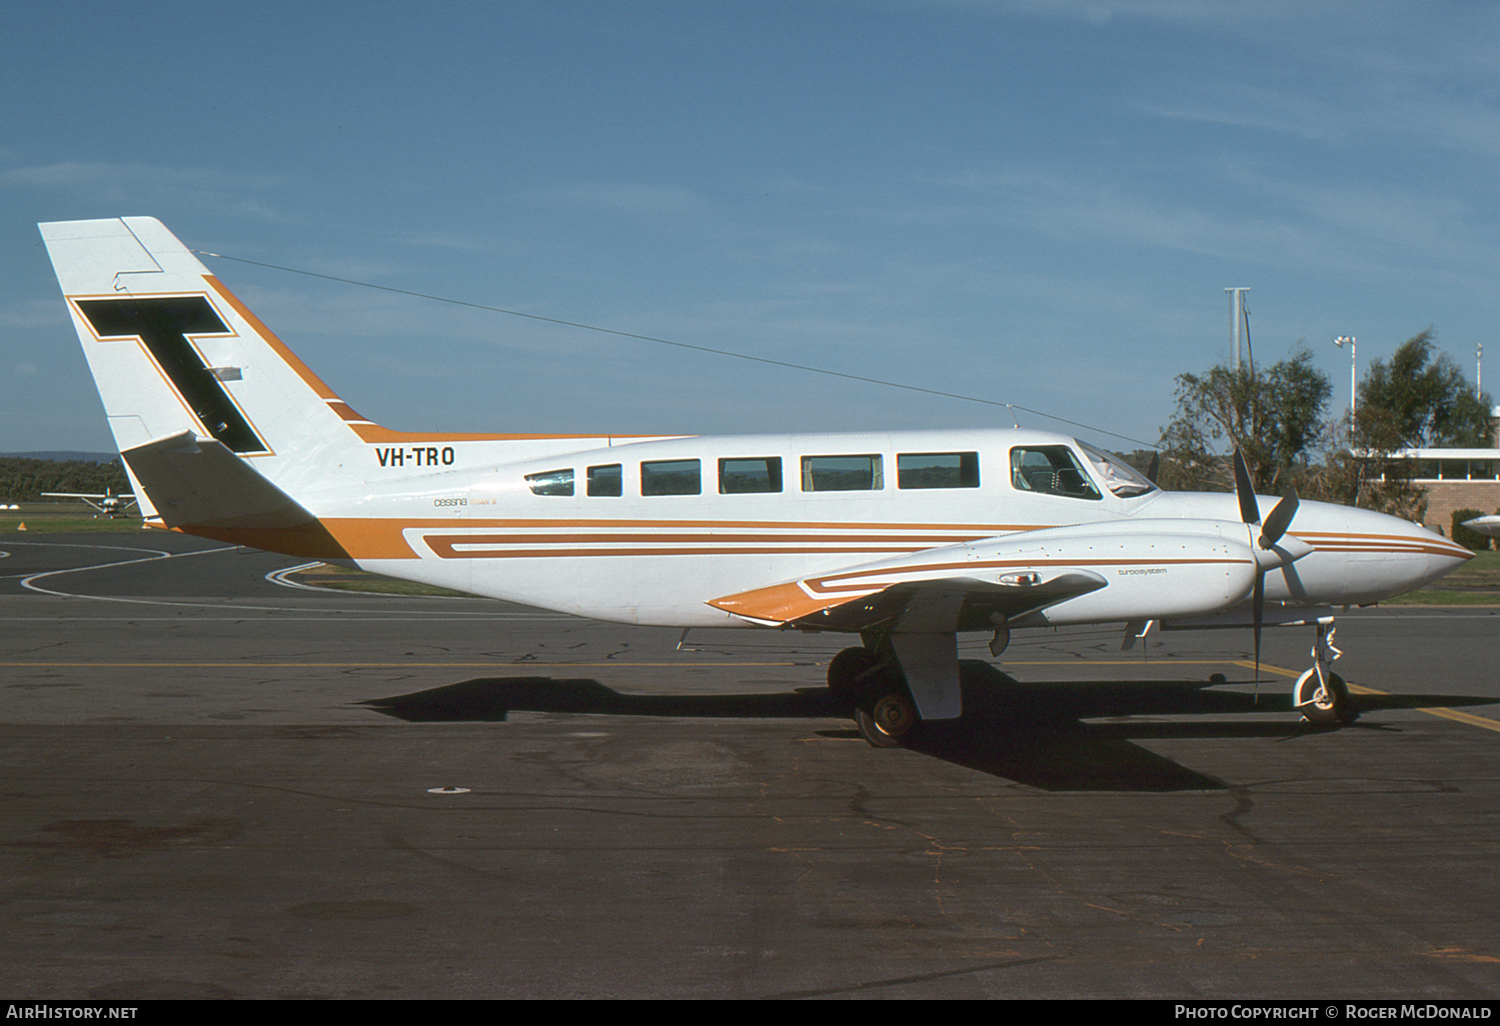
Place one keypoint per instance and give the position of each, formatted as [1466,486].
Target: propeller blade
[1258,606]
[1154,471]
[1279,519]
[1244,488]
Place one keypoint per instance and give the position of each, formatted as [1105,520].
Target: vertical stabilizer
[172,351]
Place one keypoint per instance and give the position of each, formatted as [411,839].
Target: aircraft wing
[103,502]
[915,603]
[1085,573]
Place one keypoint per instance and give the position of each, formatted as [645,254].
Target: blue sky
[1037,202]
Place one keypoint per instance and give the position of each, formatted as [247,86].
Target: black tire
[891,721]
[849,673]
[1322,705]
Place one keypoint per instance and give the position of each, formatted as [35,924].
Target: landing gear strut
[851,673]
[1321,695]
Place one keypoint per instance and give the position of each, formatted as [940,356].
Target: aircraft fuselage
[650,531]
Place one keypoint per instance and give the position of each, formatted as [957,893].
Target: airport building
[1457,479]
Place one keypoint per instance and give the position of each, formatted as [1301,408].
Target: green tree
[23,478]
[1274,417]
[1419,400]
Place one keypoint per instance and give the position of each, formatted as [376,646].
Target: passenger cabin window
[605,480]
[746,475]
[551,482]
[671,477]
[841,474]
[1050,470]
[937,470]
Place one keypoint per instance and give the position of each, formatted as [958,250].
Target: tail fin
[179,361]
[172,351]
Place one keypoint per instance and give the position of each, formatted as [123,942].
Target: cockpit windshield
[1117,475]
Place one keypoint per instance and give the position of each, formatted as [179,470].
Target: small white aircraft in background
[905,539]
[107,503]
[1489,525]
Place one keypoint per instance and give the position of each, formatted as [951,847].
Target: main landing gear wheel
[1320,703]
[884,712]
[890,721]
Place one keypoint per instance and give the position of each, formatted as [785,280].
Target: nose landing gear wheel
[890,722]
[1319,703]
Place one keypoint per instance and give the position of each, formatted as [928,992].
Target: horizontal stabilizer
[199,482]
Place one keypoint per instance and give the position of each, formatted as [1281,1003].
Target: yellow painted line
[1452,714]
[357,666]
[611,662]
[1126,662]
[1249,664]
[1483,722]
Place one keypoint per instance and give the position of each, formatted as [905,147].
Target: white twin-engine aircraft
[905,539]
[106,502]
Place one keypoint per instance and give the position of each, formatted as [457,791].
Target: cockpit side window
[1050,470]
[551,482]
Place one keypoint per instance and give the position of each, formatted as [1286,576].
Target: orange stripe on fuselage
[1395,544]
[384,538]
[370,538]
[309,541]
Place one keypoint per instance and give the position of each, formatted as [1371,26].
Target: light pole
[1352,371]
[1236,319]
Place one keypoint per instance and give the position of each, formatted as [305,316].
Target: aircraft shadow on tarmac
[1032,733]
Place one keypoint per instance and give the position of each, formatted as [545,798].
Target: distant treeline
[23,479]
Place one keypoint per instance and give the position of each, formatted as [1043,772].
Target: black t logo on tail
[164,323]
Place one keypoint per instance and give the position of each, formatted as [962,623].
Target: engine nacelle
[1152,569]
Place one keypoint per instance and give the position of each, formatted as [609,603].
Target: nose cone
[1442,555]
[1383,556]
